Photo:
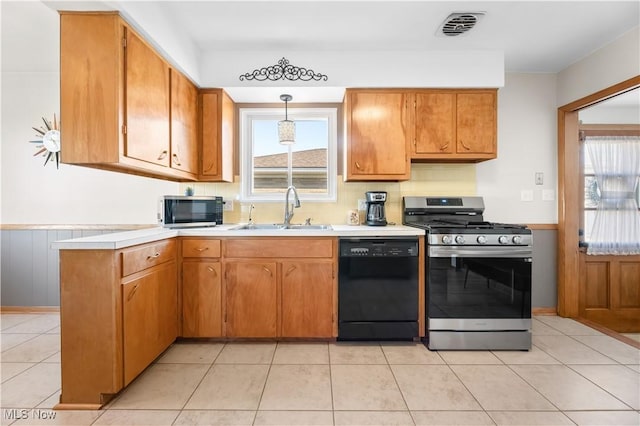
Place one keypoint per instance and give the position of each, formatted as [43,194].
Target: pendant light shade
[286,127]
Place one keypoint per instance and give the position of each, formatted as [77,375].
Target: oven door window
[468,287]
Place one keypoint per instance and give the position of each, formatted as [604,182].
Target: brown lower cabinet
[149,318]
[250,299]
[118,312]
[120,309]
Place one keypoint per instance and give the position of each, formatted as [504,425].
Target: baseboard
[609,332]
[29,309]
[544,311]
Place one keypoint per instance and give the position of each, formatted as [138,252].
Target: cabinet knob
[176,160]
[162,155]
[464,145]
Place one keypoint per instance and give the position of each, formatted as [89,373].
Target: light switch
[526,195]
[548,195]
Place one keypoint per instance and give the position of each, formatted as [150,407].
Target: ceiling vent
[459,23]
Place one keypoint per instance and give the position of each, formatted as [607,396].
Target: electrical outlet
[228,205]
[539,178]
[362,205]
[548,195]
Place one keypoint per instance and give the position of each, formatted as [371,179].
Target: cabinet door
[149,310]
[250,299]
[307,299]
[201,299]
[184,124]
[147,103]
[377,136]
[218,121]
[435,119]
[476,123]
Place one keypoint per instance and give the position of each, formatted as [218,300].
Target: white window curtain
[616,164]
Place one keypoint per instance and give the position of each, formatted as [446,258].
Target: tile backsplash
[426,179]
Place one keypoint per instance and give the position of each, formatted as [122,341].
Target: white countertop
[120,240]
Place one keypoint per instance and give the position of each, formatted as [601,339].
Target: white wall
[527,143]
[616,62]
[35,194]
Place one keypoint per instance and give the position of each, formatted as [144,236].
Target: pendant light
[286,127]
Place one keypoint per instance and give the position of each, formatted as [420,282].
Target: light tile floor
[573,375]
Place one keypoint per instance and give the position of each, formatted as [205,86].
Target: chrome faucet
[288,214]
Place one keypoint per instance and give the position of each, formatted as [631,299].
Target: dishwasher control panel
[383,247]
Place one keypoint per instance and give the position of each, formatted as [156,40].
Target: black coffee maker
[375,208]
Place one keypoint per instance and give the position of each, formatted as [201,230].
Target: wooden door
[435,119]
[201,299]
[147,103]
[149,318]
[184,124]
[377,136]
[476,123]
[609,290]
[210,143]
[307,299]
[250,299]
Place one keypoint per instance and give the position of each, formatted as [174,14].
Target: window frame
[246,117]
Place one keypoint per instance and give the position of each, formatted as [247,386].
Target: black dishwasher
[378,289]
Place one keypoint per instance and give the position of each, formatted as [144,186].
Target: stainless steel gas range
[478,275]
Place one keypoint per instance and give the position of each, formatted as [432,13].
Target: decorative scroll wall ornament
[49,142]
[283,70]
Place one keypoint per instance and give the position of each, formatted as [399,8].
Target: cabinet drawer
[265,247]
[200,248]
[140,258]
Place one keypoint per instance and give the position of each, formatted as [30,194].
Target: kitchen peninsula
[125,297]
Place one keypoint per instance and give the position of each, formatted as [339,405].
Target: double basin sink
[280,226]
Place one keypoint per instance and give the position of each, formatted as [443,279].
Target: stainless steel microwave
[178,211]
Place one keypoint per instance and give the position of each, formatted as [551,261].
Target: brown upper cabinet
[184,124]
[217,115]
[377,135]
[122,105]
[455,125]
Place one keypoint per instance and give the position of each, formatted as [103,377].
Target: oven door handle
[511,252]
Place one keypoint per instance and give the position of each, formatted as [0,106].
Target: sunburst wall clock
[49,142]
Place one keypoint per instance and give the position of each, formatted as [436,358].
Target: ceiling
[534,36]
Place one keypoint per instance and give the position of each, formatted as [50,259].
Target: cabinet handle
[153,257]
[268,270]
[176,160]
[135,288]
[210,269]
[293,268]
[162,155]
[358,165]
[209,168]
[202,249]
[445,146]
[464,146]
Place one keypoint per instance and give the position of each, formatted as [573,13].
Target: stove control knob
[502,239]
[459,239]
[517,239]
[446,239]
[481,239]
